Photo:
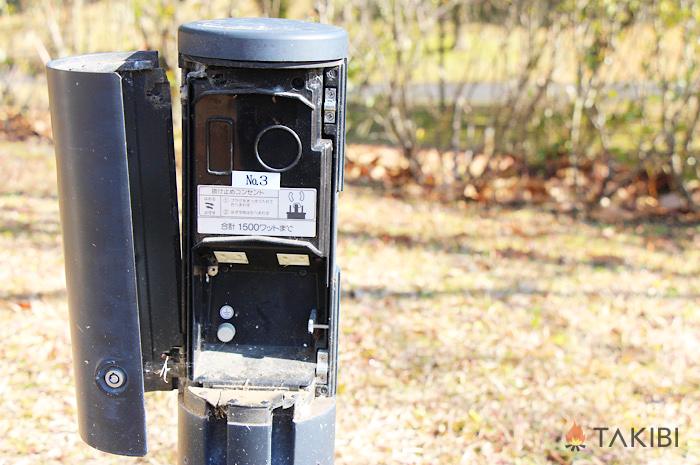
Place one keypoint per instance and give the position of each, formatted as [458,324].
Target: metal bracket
[322,366]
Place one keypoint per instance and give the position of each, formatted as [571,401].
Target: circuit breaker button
[226,332]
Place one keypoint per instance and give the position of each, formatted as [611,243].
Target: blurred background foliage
[470,335]
[591,104]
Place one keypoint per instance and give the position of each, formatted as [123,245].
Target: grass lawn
[469,335]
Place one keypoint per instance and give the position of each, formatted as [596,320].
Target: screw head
[226,312]
[115,378]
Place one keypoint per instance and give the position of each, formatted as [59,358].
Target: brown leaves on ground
[20,125]
[608,193]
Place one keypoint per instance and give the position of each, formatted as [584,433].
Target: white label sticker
[285,212]
[255,180]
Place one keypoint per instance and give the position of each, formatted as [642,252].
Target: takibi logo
[575,438]
[649,436]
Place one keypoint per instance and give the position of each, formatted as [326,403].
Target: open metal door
[112,127]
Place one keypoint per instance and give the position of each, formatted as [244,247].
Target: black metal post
[245,325]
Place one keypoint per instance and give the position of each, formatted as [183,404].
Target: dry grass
[469,336]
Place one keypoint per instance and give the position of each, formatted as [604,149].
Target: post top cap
[262,40]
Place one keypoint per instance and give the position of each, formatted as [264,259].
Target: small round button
[115,378]
[226,332]
[226,312]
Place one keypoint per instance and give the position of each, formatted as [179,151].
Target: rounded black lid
[262,39]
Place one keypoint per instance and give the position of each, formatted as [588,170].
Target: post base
[243,427]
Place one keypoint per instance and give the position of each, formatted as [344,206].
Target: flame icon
[575,438]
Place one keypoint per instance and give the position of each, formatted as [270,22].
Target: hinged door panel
[112,129]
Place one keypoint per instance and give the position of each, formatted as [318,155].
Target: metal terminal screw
[213,270]
[115,378]
[329,117]
[330,101]
[226,312]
